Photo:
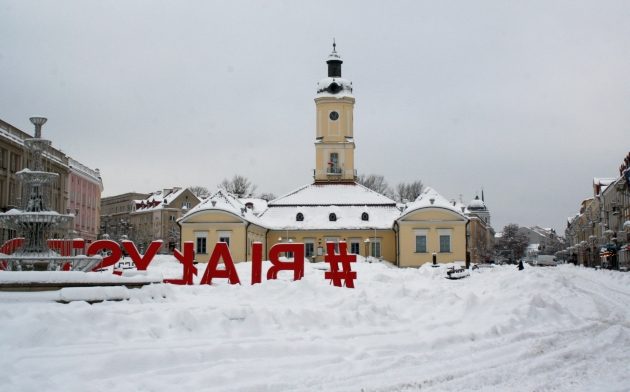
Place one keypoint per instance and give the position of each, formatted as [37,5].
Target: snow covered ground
[541,329]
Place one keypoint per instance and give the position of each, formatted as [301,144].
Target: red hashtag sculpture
[346,274]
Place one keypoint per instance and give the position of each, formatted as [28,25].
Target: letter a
[221,251]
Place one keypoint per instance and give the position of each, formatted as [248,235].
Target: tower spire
[334,46]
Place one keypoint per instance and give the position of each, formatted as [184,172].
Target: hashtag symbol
[346,274]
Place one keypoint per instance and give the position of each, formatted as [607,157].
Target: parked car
[545,261]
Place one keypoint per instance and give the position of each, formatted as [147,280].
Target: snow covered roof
[318,217]
[334,88]
[605,181]
[222,200]
[334,56]
[259,205]
[430,198]
[92,174]
[158,200]
[325,194]
[476,204]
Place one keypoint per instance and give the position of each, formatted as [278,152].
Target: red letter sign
[187,259]
[297,265]
[107,245]
[256,262]
[142,261]
[221,251]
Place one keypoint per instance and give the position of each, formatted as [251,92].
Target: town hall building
[334,207]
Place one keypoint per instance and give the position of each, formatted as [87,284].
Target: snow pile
[561,329]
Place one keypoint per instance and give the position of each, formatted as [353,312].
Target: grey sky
[528,99]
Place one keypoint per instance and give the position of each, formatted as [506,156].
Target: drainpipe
[396,232]
[246,229]
[467,254]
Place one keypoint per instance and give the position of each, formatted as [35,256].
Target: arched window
[365,216]
[332,217]
[299,217]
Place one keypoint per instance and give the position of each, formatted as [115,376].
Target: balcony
[333,171]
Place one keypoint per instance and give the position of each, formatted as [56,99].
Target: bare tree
[375,182]
[408,191]
[239,186]
[267,196]
[200,191]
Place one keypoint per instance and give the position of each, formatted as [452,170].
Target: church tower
[334,141]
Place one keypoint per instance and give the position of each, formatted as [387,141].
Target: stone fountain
[35,221]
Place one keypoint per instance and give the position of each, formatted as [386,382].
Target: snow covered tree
[408,191]
[239,186]
[512,243]
[200,191]
[375,182]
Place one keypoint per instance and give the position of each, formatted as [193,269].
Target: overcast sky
[528,99]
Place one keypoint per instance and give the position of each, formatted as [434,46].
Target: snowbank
[561,329]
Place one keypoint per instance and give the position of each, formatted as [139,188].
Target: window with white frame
[445,240]
[375,246]
[224,236]
[309,247]
[201,242]
[421,240]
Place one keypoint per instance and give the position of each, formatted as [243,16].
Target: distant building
[155,217]
[541,241]
[480,232]
[85,187]
[115,215]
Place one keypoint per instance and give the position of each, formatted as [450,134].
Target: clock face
[333,116]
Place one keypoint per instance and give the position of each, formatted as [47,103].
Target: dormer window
[332,217]
[365,216]
[299,217]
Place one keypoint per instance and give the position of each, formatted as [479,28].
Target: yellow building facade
[334,207]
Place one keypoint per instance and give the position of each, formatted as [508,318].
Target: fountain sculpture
[35,221]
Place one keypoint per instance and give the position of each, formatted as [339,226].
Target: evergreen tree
[512,243]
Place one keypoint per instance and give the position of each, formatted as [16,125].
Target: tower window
[365,216]
[333,164]
[299,217]
[332,217]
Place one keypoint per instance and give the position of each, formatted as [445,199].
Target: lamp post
[374,243]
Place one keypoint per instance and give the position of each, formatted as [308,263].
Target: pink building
[84,199]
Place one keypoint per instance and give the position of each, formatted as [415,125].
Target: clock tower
[334,140]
